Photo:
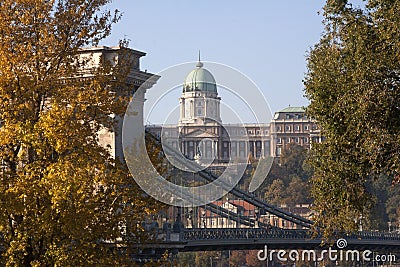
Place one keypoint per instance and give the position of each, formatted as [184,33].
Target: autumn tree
[297,192]
[288,182]
[276,192]
[237,258]
[186,259]
[63,198]
[292,160]
[393,208]
[210,258]
[353,84]
[252,259]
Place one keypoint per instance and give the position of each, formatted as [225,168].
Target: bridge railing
[243,233]
[376,235]
[262,233]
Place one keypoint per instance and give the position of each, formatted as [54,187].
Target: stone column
[182,102]
[212,149]
[219,149]
[262,148]
[192,109]
[205,108]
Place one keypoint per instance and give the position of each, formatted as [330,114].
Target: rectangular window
[305,127]
[187,109]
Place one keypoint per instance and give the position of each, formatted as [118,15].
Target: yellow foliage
[59,189]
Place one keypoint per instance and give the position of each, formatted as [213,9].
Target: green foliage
[292,161]
[377,217]
[353,83]
[393,207]
[287,183]
[276,193]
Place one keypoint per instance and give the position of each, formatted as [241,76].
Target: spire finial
[199,64]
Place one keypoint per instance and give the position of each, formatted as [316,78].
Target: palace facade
[200,132]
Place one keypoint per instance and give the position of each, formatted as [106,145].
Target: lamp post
[257,213]
[203,218]
[189,216]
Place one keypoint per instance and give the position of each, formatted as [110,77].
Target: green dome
[200,79]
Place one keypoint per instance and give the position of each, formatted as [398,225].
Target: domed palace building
[200,132]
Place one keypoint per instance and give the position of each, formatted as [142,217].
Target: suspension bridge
[250,232]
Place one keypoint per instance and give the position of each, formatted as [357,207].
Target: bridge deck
[257,238]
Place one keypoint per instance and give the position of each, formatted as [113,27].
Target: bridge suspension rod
[210,177]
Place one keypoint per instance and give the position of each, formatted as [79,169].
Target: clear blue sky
[266,40]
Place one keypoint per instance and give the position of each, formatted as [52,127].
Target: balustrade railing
[273,233]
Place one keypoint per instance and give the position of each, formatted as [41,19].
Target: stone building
[135,80]
[200,131]
[291,125]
